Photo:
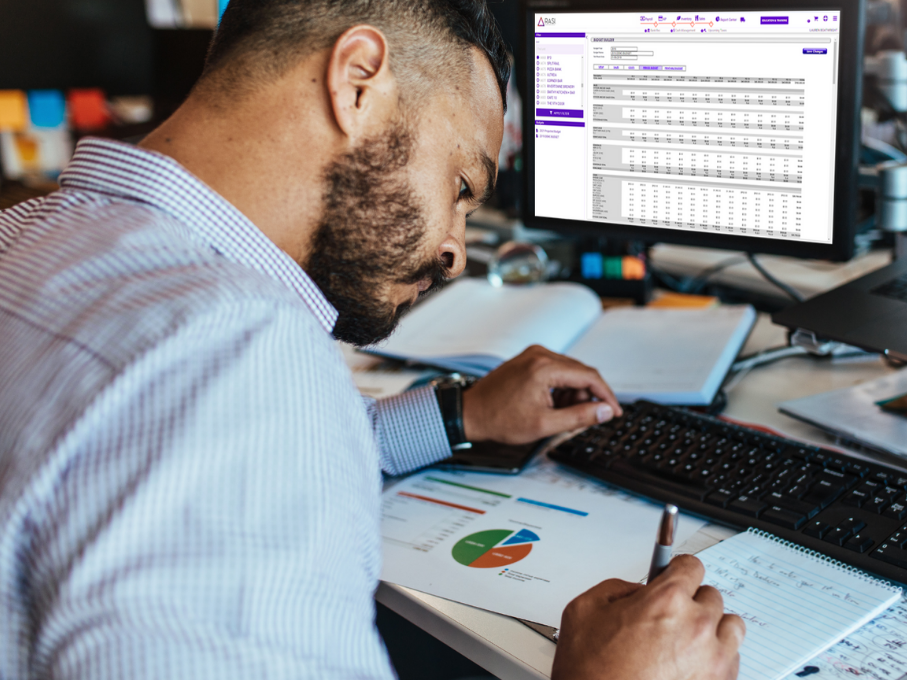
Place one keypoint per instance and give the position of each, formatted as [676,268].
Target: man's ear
[361,87]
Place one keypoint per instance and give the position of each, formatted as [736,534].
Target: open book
[672,356]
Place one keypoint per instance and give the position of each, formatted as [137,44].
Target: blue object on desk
[592,265]
[47,108]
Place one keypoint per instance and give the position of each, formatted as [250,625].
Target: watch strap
[450,401]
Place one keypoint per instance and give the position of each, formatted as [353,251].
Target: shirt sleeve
[409,430]
[219,515]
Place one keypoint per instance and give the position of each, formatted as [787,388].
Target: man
[189,482]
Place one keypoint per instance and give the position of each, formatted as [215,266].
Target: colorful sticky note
[88,109]
[13,110]
[47,108]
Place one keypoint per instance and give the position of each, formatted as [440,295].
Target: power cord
[773,280]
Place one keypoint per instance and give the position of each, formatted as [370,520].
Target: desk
[510,650]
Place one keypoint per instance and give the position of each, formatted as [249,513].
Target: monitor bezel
[847,135]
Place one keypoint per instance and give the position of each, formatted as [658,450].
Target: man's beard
[371,236]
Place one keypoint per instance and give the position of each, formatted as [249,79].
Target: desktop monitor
[720,124]
[62,44]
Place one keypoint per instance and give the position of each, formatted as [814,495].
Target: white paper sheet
[551,536]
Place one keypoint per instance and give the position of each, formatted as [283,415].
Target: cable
[774,281]
[767,356]
[695,283]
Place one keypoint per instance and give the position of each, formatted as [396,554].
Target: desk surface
[510,650]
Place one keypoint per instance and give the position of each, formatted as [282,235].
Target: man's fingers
[684,571]
[575,417]
[613,589]
[731,631]
[577,376]
[710,598]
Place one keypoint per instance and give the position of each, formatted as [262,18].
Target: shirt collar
[126,171]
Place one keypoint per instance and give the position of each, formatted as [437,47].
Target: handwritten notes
[795,604]
[878,651]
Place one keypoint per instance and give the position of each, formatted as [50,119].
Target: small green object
[614,267]
[896,405]
[469,549]
[471,488]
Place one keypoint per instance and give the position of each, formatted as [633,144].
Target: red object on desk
[88,109]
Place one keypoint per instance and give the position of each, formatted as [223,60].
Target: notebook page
[471,318]
[795,603]
[672,356]
[874,652]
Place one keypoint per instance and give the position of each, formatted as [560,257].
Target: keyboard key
[891,492]
[838,535]
[859,543]
[852,524]
[896,511]
[721,497]
[823,492]
[747,505]
[791,503]
[836,478]
[784,517]
[796,491]
[890,553]
[856,498]
[816,529]
[877,504]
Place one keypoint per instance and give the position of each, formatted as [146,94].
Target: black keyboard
[838,505]
[895,289]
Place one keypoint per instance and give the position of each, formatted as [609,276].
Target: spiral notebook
[796,602]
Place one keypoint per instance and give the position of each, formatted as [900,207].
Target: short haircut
[428,39]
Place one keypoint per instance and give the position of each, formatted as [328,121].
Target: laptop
[869,313]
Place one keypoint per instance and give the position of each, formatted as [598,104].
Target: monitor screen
[61,44]
[697,125]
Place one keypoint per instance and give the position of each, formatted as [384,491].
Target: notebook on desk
[672,356]
[796,603]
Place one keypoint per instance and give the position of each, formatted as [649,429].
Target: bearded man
[189,481]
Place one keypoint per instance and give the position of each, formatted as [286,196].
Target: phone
[503,459]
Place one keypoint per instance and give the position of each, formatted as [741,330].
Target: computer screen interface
[712,122]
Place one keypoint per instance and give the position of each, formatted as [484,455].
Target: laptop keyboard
[838,505]
[895,289]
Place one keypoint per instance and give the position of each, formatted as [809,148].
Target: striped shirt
[189,480]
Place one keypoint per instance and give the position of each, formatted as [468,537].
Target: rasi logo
[546,22]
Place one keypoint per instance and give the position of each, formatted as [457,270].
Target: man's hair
[429,40]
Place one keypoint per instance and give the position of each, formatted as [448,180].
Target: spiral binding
[825,559]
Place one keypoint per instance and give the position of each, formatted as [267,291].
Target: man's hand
[672,629]
[534,395]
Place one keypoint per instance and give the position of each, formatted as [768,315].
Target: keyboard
[896,289]
[835,504]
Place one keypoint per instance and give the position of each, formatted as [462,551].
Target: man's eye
[465,191]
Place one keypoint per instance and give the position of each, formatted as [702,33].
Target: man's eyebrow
[491,175]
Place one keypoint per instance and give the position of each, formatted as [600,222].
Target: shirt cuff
[410,431]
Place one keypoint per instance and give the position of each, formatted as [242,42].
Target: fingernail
[604,413]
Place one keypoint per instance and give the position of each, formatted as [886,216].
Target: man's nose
[453,254]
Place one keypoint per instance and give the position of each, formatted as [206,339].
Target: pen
[664,541]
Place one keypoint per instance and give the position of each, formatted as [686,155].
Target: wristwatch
[449,391]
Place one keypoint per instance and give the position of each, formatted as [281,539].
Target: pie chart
[494,548]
